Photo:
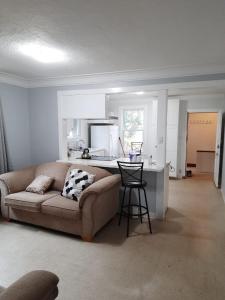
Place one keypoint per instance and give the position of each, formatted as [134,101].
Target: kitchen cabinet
[81,106]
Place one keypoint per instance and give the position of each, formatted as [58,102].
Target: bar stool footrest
[126,214]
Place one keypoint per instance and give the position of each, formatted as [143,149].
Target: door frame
[203,110]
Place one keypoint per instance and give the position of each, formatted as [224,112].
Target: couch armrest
[4,210]
[36,285]
[99,187]
[17,181]
[99,204]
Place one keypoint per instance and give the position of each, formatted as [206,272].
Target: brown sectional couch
[35,285]
[97,205]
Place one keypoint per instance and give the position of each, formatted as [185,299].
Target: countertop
[113,164]
[91,150]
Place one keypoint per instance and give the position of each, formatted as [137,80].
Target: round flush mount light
[42,53]
[139,93]
[116,90]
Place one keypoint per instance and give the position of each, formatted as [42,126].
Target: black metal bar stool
[132,178]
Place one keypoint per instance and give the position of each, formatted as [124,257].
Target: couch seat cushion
[28,201]
[61,207]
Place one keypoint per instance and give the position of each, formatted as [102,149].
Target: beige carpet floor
[184,259]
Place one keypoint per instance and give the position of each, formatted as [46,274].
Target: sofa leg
[87,238]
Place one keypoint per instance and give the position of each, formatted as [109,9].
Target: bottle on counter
[132,155]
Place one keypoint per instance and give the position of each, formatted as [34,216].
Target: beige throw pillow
[40,184]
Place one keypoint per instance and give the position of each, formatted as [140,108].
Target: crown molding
[126,77]
[110,79]
[12,79]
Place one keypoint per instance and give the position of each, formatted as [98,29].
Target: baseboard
[191,165]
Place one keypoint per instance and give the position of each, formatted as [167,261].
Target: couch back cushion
[56,170]
[98,172]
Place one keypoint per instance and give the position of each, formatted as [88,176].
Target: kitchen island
[156,176]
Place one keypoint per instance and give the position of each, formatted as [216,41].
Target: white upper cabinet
[77,105]
[81,106]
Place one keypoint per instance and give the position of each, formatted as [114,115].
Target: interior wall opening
[201,143]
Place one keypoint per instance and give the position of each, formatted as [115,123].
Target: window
[132,126]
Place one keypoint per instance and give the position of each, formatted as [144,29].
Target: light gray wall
[43,124]
[16,118]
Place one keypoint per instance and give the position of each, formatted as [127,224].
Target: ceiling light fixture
[42,53]
[139,93]
[116,90]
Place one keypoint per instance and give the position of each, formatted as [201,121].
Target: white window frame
[121,116]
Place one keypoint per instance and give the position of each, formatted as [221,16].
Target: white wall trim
[13,80]
[152,87]
[126,77]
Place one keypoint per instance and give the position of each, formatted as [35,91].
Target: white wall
[172,135]
[181,151]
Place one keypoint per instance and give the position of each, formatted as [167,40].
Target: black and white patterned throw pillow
[77,181]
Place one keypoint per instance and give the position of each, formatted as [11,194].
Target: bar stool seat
[135,184]
[131,178]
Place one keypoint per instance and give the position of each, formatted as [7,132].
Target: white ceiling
[112,35]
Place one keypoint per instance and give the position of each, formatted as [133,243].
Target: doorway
[202,139]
